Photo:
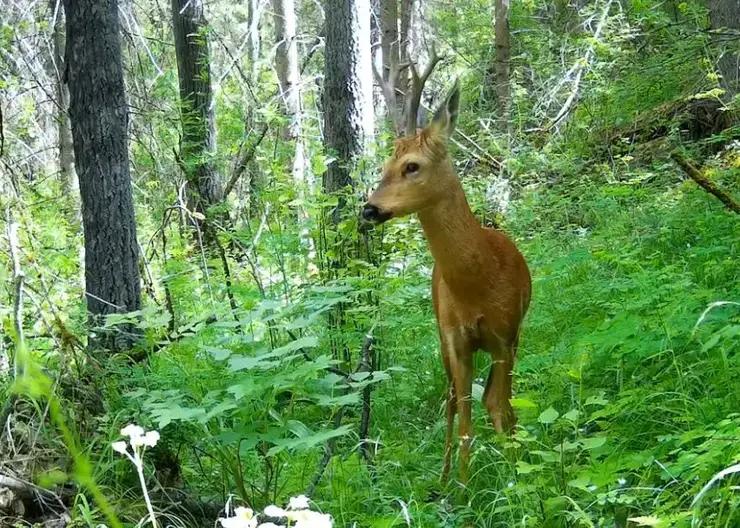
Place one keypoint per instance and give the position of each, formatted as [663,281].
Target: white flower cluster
[297,514]
[137,438]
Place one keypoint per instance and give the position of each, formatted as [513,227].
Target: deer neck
[454,236]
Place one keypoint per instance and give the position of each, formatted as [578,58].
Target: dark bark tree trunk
[501,62]
[347,95]
[198,143]
[99,117]
[67,173]
[725,14]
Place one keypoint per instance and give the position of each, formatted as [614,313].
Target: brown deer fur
[481,285]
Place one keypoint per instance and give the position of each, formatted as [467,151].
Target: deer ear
[446,115]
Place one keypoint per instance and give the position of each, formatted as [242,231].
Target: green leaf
[521,403]
[330,401]
[572,415]
[303,342]
[597,400]
[646,521]
[219,354]
[548,416]
[307,442]
[581,482]
[523,468]
[547,456]
[593,443]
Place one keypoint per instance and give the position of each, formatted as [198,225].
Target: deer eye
[410,168]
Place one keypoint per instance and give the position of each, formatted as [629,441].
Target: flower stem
[139,463]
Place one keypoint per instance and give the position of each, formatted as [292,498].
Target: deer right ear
[446,115]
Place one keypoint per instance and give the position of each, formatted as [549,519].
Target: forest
[370,263]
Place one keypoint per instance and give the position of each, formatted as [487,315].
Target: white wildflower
[132,431]
[510,484]
[622,481]
[275,511]
[310,519]
[298,503]
[148,439]
[120,447]
[243,518]
[592,487]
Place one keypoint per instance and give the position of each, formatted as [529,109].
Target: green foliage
[626,380]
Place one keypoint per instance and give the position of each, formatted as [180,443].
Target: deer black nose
[370,213]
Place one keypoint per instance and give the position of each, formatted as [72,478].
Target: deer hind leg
[497,396]
[459,354]
[451,404]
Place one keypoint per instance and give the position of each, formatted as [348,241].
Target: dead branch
[246,156]
[413,98]
[578,68]
[704,182]
[387,85]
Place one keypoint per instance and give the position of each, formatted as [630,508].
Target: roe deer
[481,285]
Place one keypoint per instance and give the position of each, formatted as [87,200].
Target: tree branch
[709,186]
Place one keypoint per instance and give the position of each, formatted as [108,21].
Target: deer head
[419,173]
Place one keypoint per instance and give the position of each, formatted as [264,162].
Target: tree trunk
[254,9]
[347,88]
[725,14]
[198,143]
[286,64]
[390,45]
[501,62]
[254,45]
[67,173]
[99,117]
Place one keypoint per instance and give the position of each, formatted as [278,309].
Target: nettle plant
[253,403]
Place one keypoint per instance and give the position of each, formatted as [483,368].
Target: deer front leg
[461,366]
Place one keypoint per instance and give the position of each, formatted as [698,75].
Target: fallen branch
[709,186]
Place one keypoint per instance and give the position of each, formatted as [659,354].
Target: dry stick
[338,417]
[709,186]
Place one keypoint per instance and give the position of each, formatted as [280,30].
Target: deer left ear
[446,115]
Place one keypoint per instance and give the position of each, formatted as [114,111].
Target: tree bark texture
[198,143]
[286,64]
[390,45]
[725,15]
[254,45]
[67,173]
[254,42]
[502,61]
[99,118]
[347,88]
